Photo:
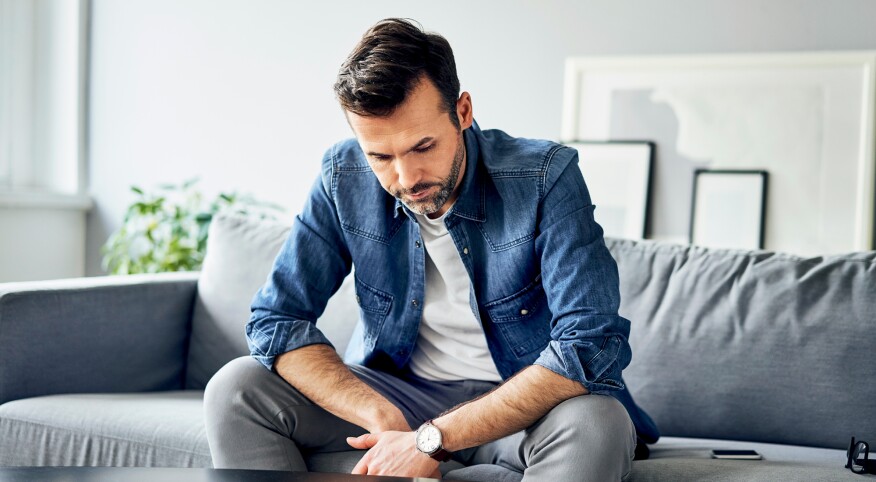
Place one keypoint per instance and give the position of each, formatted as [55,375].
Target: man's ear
[464,111]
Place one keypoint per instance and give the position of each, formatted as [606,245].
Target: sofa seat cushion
[166,429]
[153,429]
[679,458]
[672,458]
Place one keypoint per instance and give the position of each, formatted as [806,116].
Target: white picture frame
[618,178]
[728,209]
[806,117]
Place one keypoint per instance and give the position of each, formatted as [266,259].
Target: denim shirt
[543,284]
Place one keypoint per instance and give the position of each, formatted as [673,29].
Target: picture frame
[806,117]
[729,208]
[618,178]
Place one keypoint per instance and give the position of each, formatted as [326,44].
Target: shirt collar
[470,202]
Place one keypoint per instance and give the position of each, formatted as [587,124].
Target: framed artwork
[728,209]
[807,118]
[618,176]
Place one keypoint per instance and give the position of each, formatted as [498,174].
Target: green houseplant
[167,230]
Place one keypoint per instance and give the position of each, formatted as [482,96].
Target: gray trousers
[256,420]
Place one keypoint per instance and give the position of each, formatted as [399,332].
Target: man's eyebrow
[423,141]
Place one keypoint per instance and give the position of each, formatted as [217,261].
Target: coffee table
[164,474]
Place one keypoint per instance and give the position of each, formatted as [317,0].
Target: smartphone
[736,454]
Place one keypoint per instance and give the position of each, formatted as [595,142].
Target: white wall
[239,92]
[42,236]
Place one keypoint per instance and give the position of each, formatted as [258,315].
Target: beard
[433,203]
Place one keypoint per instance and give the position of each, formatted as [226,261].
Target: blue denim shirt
[543,284]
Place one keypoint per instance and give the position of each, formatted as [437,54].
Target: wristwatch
[430,442]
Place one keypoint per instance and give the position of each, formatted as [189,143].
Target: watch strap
[440,455]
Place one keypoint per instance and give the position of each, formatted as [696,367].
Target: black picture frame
[762,212]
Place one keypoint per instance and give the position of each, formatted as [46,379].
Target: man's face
[417,154]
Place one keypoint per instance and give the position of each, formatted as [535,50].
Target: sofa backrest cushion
[751,345]
[240,254]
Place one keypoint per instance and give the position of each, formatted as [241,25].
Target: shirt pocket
[374,306]
[523,318]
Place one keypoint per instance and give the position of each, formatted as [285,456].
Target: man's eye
[381,158]
[424,149]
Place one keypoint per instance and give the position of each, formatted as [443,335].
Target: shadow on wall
[636,116]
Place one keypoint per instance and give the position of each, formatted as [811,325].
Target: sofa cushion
[751,345]
[683,459]
[686,459]
[240,254]
[155,429]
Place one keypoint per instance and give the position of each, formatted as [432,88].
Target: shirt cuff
[284,336]
[602,373]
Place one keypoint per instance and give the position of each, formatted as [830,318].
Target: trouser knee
[600,418]
[228,387]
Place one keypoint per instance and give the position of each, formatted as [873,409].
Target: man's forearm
[320,375]
[509,408]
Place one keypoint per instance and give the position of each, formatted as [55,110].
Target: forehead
[420,115]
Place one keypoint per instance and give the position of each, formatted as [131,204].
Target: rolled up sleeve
[589,339]
[310,267]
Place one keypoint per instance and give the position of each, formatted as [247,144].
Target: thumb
[363,442]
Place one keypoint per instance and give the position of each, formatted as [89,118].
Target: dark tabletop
[162,474]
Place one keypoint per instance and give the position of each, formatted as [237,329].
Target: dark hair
[388,63]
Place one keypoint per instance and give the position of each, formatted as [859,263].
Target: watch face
[428,439]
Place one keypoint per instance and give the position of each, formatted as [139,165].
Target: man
[488,299]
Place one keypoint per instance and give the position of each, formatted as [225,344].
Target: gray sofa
[731,349]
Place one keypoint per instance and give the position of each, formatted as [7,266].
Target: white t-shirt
[451,344]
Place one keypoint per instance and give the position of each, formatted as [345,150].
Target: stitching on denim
[502,247]
[355,169]
[517,293]
[538,301]
[385,297]
[270,338]
[374,237]
[261,351]
[332,186]
[601,350]
[516,173]
[380,314]
[549,157]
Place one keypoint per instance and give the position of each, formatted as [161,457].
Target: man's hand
[393,453]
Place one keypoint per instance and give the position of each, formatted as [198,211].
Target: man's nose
[409,174]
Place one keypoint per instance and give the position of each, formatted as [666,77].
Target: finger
[365,441]
[361,468]
[354,442]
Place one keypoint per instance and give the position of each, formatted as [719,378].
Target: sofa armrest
[100,334]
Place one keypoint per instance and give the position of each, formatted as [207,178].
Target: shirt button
[464,250]
[415,302]
[417,243]
[524,312]
[358,301]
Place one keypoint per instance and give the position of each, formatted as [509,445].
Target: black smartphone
[736,454]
